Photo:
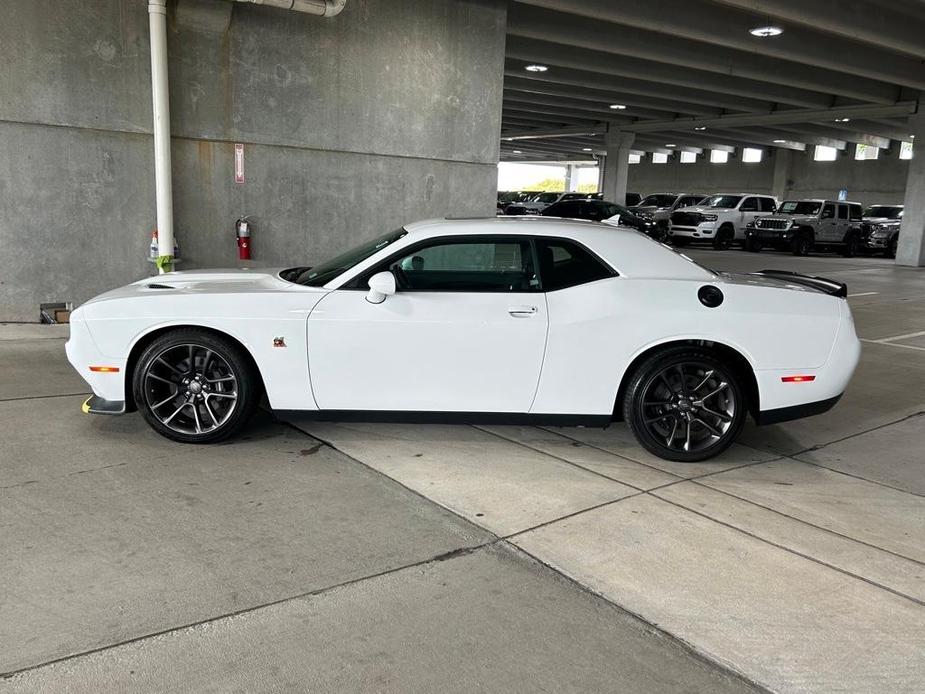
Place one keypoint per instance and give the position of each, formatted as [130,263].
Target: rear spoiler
[830,287]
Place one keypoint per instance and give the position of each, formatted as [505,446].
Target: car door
[827,224]
[465,332]
[841,223]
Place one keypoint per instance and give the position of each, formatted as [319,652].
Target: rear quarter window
[566,264]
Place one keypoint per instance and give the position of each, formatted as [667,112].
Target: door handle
[522,311]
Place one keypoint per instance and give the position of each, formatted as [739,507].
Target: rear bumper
[787,414]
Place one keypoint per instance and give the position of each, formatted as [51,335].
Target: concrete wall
[352,126]
[881,180]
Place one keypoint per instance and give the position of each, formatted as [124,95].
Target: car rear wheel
[852,243]
[724,237]
[193,386]
[683,404]
[891,247]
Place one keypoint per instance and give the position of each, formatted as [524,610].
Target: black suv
[880,229]
[601,210]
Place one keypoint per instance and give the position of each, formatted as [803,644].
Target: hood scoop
[156,285]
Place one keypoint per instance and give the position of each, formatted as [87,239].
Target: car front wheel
[683,404]
[801,244]
[194,386]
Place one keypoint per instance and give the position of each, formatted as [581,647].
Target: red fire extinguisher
[242,229]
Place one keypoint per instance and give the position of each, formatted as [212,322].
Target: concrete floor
[331,557]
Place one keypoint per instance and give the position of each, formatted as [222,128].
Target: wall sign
[239,163]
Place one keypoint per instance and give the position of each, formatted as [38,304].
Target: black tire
[724,237]
[680,241]
[802,243]
[752,245]
[195,386]
[649,419]
[852,243]
[891,245]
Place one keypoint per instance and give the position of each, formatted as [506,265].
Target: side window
[690,202]
[828,211]
[856,212]
[749,205]
[767,204]
[843,212]
[566,209]
[566,264]
[468,266]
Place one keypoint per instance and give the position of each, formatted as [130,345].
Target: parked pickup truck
[880,229]
[720,218]
[802,225]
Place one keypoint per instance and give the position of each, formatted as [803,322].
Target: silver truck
[799,226]
[659,206]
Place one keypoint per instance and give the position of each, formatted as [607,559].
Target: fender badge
[279,342]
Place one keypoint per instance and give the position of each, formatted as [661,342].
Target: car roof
[630,252]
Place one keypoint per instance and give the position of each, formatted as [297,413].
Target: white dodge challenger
[521,320]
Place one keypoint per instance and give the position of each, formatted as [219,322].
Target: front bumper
[876,243]
[83,354]
[97,405]
[769,236]
[704,230]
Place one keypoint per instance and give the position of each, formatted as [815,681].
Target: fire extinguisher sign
[239,163]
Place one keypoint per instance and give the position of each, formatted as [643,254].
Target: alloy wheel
[191,389]
[689,407]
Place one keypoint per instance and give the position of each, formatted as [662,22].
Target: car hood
[881,220]
[218,281]
[704,210]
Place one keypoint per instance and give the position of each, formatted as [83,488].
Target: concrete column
[911,248]
[617,164]
[571,178]
[782,161]
[601,159]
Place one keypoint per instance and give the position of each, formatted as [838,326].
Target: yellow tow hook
[85,408]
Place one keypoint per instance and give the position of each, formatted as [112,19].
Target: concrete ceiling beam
[591,109]
[879,24]
[788,116]
[683,53]
[556,54]
[619,84]
[729,29]
[852,137]
[598,129]
[634,104]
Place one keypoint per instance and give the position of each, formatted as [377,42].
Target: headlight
[710,217]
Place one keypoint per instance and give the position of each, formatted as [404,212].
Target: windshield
[320,275]
[658,201]
[807,207]
[546,197]
[721,201]
[886,211]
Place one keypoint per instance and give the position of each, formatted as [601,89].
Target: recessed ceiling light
[701,127]
[766,32]
[517,151]
[779,142]
[912,137]
[842,120]
[618,107]
[671,145]
[536,68]
[585,149]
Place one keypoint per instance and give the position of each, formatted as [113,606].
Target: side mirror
[381,285]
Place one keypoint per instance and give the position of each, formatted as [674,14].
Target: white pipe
[157,16]
[322,8]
